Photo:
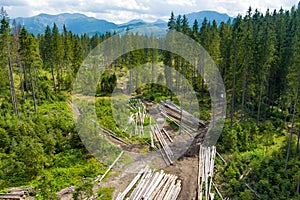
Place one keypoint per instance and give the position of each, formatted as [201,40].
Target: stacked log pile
[165,149]
[17,193]
[188,122]
[205,173]
[137,117]
[150,184]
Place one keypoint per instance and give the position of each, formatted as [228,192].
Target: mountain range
[79,23]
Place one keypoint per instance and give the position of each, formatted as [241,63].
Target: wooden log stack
[165,149]
[138,115]
[17,193]
[182,118]
[205,172]
[151,184]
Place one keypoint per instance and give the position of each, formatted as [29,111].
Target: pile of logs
[186,121]
[137,117]
[17,193]
[205,173]
[165,150]
[65,191]
[150,184]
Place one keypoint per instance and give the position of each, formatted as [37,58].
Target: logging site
[149,100]
[166,170]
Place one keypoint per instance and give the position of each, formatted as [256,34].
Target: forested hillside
[258,56]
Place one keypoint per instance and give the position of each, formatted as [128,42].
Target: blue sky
[120,11]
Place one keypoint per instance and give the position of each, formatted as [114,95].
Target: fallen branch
[100,178]
[221,158]
[218,192]
[257,195]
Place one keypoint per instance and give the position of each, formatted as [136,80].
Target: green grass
[105,193]
[69,168]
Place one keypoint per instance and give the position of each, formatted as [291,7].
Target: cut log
[221,158]
[218,192]
[122,195]
[154,186]
[100,178]
[168,136]
[257,195]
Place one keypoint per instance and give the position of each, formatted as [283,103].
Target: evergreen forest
[257,54]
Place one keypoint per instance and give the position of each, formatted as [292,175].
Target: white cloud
[149,10]
[181,2]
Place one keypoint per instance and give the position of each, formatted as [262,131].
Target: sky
[120,11]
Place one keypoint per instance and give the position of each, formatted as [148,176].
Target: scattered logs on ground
[180,117]
[151,184]
[112,134]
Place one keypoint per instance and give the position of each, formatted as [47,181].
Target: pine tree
[225,47]
[57,54]
[5,40]
[185,26]
[267,51]
[47,54]
[171,22]
[195,30]
[67,57]
[30,57]
[16,44]
[248,61]
[236,51]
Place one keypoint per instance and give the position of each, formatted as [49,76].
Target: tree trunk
[53,78]
[259,103]
[297,147]
[58,77]
[171,77]
[152,68]
[21,77]
[36,83]
[244,90]
[291,130]
[11,80]
[32,90]
[137,74]
[130,81]
[233,92]
[298,186]
[25,78]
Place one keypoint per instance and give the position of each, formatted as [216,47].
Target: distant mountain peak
[159,21]
[79,23]
[209,15]
[132,22]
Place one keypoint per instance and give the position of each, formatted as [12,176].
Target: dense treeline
[258,57]
[39,144]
